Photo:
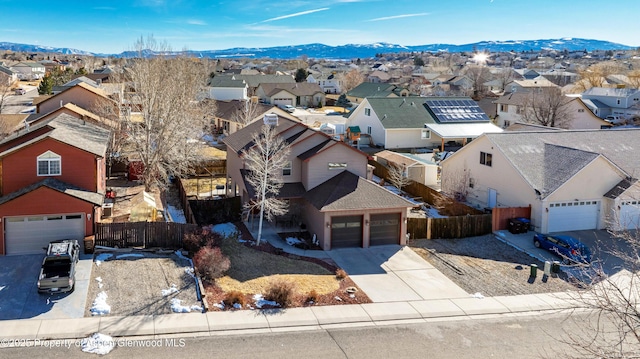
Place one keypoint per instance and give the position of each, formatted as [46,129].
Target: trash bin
[534,270]
[514,226]
[555,267]
[526,224]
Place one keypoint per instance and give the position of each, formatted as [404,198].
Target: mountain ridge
[351,51]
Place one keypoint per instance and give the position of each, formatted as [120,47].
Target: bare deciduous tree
[264,162]
[478,76]
[547,106]
[161,115]
[503,77]
[246,113]
[351,79]
[398,176]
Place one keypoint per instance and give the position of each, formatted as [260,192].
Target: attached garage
[346,231]
[573,216]
[27,235]
[282,101]
[384,229]
[629,217]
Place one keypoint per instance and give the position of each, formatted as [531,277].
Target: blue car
[567,247]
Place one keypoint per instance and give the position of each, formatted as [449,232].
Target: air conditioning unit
[107,210]
[271,119]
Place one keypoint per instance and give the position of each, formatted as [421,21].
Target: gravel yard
[134,283]
[488,266]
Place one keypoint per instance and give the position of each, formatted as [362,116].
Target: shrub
[312,296]
[234,297]
[211,263]
[202,237]
[280,292]
[341,274]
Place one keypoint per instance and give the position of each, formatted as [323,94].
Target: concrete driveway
[393,273]
[19,297]
[601,243]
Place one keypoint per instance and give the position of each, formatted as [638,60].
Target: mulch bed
[343,295]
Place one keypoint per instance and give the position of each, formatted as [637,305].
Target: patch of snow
[100,306]
[102,257]
[292,241]
[130,255]
[97,343]
[219,305]
[190,271]
[2,287]
[177,215]
[478,295]
[237,305]
[99,280]
[260,301]
[225,229]
[337,298]
[177,307]
[173,289]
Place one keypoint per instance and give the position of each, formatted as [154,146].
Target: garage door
[573,216]
[384,229]
[346,231]
[24,235]
[282,101]
[630,215]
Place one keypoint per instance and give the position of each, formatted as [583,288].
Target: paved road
[18,103]
[503,337]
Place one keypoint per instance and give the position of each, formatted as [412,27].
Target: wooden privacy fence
[501,216]
[449,227]
[142,234]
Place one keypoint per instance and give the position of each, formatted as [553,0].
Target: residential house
[420,168]
[82,95]
[528,85]
[329,83]
[230,114]
[253,81]
[52,183]
[378,76]
[73,111]
[77,80]
[603,102]
[420,122]
[28,70]
[510,107]
[226,88]
[326,187]
[11,122]
[573,180]
[294,94]
[7,76]
[369,89]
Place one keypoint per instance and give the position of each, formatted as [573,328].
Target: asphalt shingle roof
[370,89]
[547,158]
[347,191]
[298,88]
[243,139]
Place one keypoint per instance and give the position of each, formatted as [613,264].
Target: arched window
[49,164]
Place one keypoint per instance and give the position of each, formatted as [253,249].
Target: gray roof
[6,70]
[370,89]
[62,187]
[522,126]
[610,92]
[80,79]
[620,188]
[593,103]
[347,191]
[255,80]
[226,81]
[297,88]
[287,191]
[546,159]
[243,138]
[67,129]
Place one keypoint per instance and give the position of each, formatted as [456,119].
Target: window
[502,108]
[49,164]
[581,110]
[426,134]
[337,165]
[519,110]
[286,169]
[367,112]
[369,129]
[618,101]
[485,159]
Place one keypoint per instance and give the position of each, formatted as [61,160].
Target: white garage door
[630,215]
[573,216]
[25,235]
[282,101]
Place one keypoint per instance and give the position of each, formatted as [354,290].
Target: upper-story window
[369,129]
[337,165]
[286,169]
[486,159]
[367,112]
[49,164]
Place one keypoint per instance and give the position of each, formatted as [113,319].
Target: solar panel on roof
[456,110]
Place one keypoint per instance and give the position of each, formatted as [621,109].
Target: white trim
[49,157]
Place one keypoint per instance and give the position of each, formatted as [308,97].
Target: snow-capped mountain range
[351,51]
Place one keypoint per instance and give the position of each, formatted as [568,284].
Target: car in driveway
[288,108]
[58,271]
[567,247]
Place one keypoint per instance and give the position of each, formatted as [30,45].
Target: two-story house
[230,116]
[325,181]
[29,70]
[82,95]
[622,102]
[420,122]
[370,89]
[225,88]
[52,183]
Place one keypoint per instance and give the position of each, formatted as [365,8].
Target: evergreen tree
[343,101]
[46,85]
[301,75]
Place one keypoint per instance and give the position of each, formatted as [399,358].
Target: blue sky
[114,26]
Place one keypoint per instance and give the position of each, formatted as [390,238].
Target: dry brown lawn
[195,186]
[252,271]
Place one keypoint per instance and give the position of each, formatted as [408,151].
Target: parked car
[288,108]
[20,91]
[567,247]
[58,272]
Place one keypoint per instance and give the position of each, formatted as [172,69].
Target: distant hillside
[351,51]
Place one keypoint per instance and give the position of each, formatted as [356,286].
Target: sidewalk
[276,320]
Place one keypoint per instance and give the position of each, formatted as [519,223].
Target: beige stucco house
[573,180]
[420,168]
[326,186]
